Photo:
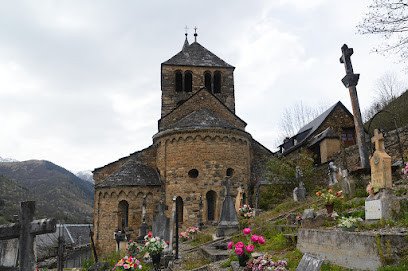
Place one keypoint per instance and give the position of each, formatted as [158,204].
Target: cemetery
[205,195]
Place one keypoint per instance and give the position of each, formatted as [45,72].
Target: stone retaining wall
[355,250]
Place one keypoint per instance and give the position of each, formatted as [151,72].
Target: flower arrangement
[128,263]
[250,241]
[371,190]
[266,263]
[405,170]
[184,236]
[133,248]
[153,245]
[299,219]
[329,197]
[193,230]
[347,222]
[246,211]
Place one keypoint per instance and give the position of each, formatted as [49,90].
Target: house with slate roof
[200,141]
[322,135]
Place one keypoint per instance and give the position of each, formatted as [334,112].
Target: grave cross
[227,184]
[26,230]
[350,81]
[378,139]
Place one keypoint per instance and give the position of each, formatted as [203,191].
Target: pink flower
[239,251]
[250,248]
[239,244]
[254,238]
[247,231]
[230,245]
[261,240]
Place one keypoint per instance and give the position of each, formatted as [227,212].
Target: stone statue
[332,173]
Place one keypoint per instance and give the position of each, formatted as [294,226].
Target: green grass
[401,266]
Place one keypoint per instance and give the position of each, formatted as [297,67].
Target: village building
[200,141]
[322,135]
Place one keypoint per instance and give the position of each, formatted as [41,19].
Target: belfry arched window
[188,81]
[178,81]
[207,81]
[217,82]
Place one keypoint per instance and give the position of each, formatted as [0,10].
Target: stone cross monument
[350,81]
[228,222]
[380,163]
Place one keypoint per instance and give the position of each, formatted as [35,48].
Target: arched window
[123,215]
[188,81]
[211,198]
[179,209]
[207,81]
[217,82]
[179,81]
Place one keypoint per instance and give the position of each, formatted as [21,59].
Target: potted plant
[245,213]
[192,231]
[154,246]
[330,198]
[266,262]
[128,263]
[245,247]
[184,236]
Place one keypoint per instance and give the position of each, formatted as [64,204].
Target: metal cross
[186,28]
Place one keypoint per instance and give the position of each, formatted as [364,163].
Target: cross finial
[227,186]
[186,28]
[378,138]
[195,34]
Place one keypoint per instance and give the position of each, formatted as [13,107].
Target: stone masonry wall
[106,212]
[170,97]
[211,152]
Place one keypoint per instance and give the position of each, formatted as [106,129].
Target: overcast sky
[80,80]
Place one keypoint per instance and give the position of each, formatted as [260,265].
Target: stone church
[200,141]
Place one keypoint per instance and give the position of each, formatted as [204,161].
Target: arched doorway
[123,215]
[211,198]
[179,209]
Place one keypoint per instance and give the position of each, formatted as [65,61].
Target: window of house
[348,136]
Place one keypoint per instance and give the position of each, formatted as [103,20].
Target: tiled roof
[132,173]
[202,118]
[196,55]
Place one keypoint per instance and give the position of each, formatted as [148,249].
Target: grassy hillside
[399,107]
[58,192]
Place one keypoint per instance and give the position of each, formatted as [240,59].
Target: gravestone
[380,163]
[347,184]
[239,199]
[332,173]
[228,222]
[26,230]
[299,193]
[144,228]
[383,204]
[169,250]
[161,223]
[8,253]
[310,263]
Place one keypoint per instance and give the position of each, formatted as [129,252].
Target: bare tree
[387,88]
[297,116]
[389,19]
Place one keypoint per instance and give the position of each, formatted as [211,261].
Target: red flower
[149,235]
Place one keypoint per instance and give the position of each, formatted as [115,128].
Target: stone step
[214,254]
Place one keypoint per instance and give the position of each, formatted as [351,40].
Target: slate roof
[202,118]
[196,55]
[307,131]
[74,235]
[132,173]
